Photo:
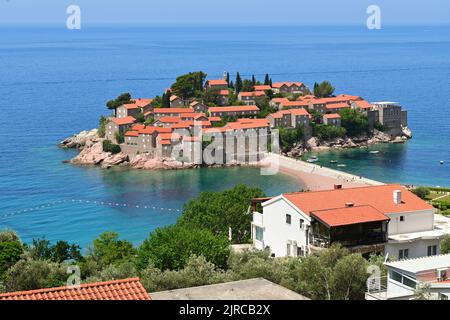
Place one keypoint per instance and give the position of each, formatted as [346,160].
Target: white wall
[277,232]
[417,249]
[413,222]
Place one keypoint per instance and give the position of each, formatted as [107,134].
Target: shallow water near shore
[55,82]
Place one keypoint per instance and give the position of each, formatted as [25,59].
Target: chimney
[337,186]
[397,195]
[349,205]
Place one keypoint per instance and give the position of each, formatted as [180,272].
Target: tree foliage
[124,98]
[170,247]
[189,85]
[354,122]
[323,90]
[42,249]
[328,132]
[445,245]
[218,211]
[421,192]
[289,137]
[108,146]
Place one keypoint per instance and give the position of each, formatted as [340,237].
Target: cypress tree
[238,83]
[266,80]
[253,79]
[228,79]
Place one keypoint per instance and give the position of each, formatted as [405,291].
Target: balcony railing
[318,240]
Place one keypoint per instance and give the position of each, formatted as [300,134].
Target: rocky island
[173,130]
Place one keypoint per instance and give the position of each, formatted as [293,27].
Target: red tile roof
[363,104]
[262,87]
[172,98]
[288,104]
[131,134]
[252,94]
[299,112]
[165,142]
[233,109]
[223,92]
[126,289]
[289,84]
[217,83]
[379,197]
[123,121]
[142,102]
[173,110]
[169,136]
[332,116]
[279,100]
[215,119]
[130,106]
[169,119]
[137,127]
[349,215]
[152,129]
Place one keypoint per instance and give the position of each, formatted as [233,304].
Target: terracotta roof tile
[126,289]
[233,108]
[123,121]
[349,215]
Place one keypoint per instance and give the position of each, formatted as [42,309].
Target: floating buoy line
[90,202]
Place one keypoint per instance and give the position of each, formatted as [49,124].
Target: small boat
[312,159]
[441,162]
[374,152]
[341,165]
[333,161]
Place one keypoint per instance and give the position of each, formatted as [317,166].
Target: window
[403,254]
[259,234]
[402,218]
[432,250]
[288,249]
[300,252]
[288,218]
[302,222]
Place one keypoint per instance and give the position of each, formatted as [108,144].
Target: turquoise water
[54,82]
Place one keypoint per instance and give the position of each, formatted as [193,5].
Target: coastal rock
[312,143]
[149,163]
[80,140]
[407,132]
[92,155]
[114,159]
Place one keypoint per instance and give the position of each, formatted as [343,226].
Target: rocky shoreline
[377,137]
[92,154]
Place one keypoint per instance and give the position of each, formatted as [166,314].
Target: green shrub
[108,146]
[102,126]
[421,192]
[119,137]
[328,132]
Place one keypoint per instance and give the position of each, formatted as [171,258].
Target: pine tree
[266,80]
[238,83]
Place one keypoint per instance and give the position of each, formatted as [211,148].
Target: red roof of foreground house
[126,289]
[123,121]
[233,109]
[217,83]
[379,197]
[332,116]
[173,110]
[349,215]
[262,87]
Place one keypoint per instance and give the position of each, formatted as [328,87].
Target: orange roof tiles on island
[137,127]
[252,94]
[223,92]
[262,87]
[332,116]
[141,102]
[131,134]
[126,289]
[173,110]
[218,82]
[289,84]
[340,105]
[124,121]
[349,215]
[215,119]
[169,119]
[233,109]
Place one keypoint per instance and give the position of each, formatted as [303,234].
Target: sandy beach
[313,177]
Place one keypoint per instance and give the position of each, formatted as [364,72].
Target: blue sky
[225,12]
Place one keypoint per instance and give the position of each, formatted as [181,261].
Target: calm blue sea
[54,82]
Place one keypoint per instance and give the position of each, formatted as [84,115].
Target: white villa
[387,219]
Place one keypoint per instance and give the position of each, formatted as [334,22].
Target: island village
[362,215]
